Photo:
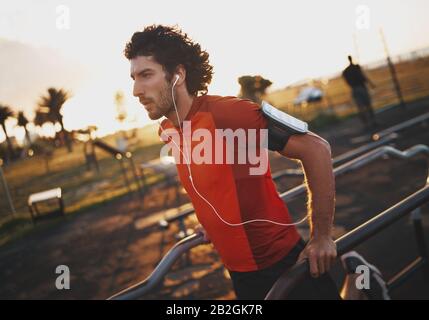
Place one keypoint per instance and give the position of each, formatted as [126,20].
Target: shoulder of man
[232,112]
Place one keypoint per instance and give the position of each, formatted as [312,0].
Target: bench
[167,170]
[45,197]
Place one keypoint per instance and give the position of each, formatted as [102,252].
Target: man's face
[151,86]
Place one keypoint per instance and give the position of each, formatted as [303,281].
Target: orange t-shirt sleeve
[237,113]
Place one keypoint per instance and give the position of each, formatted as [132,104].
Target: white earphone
[192,182]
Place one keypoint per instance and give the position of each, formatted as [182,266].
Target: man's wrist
[320,234]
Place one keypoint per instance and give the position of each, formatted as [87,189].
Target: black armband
[281,126]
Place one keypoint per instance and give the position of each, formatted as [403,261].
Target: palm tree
[40,118]
[22,122]
[253,87]
[121,110]
[5,113]
[52,104]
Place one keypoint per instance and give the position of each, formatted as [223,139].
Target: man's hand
[321,253]
[199,229]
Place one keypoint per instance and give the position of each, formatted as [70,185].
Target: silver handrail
[360,162]
[347,156]
[288,195]
[293,276]
[157,276]
[401,126]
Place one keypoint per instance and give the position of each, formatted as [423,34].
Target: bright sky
[284,41]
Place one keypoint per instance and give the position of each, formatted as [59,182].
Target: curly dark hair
[171,47]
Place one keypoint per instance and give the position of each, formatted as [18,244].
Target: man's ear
[181,72]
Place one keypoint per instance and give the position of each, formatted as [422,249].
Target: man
[171,74]
[357,81]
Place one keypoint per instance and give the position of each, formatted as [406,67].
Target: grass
[82,190]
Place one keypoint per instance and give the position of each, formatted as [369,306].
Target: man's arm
[373,86]
[315,156]
[368,80]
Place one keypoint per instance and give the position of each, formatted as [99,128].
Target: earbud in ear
[175,81]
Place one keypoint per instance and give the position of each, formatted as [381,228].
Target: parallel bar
[341,158]
[345,157]
[6,190]
[403,275]
[381,221]
[347,167]
[136,178]
[157,275]
[294,275]
[401,126]
[419,233]
[360,162]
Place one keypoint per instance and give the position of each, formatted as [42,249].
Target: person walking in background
[357,81]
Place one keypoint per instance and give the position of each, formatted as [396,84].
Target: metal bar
[345,157]
[136,179]
[403,275]
[177,216]
[124,173]
[345,168]
[158,274]
[360,162]
[381,221]
[6,190]
[341,158]
[286,172]
[61,204]
[416,216]
[30,208]
[393,72]
[401,126]
[36,210]
[108,148]
[289,279]
[144,182]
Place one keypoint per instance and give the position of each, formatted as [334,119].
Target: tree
[5,113]
[120,106]
[253,87]
[121,110]
[40,118]
[22,122]
[52,104]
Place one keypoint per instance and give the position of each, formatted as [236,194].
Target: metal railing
[360,162]
[298,272]
[343,169]
[401,126]
[157,276]
[292,277]
[347,156]
[379,139]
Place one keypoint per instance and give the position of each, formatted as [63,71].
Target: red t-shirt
[236,195]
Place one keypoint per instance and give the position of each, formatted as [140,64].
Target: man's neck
[183,104]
